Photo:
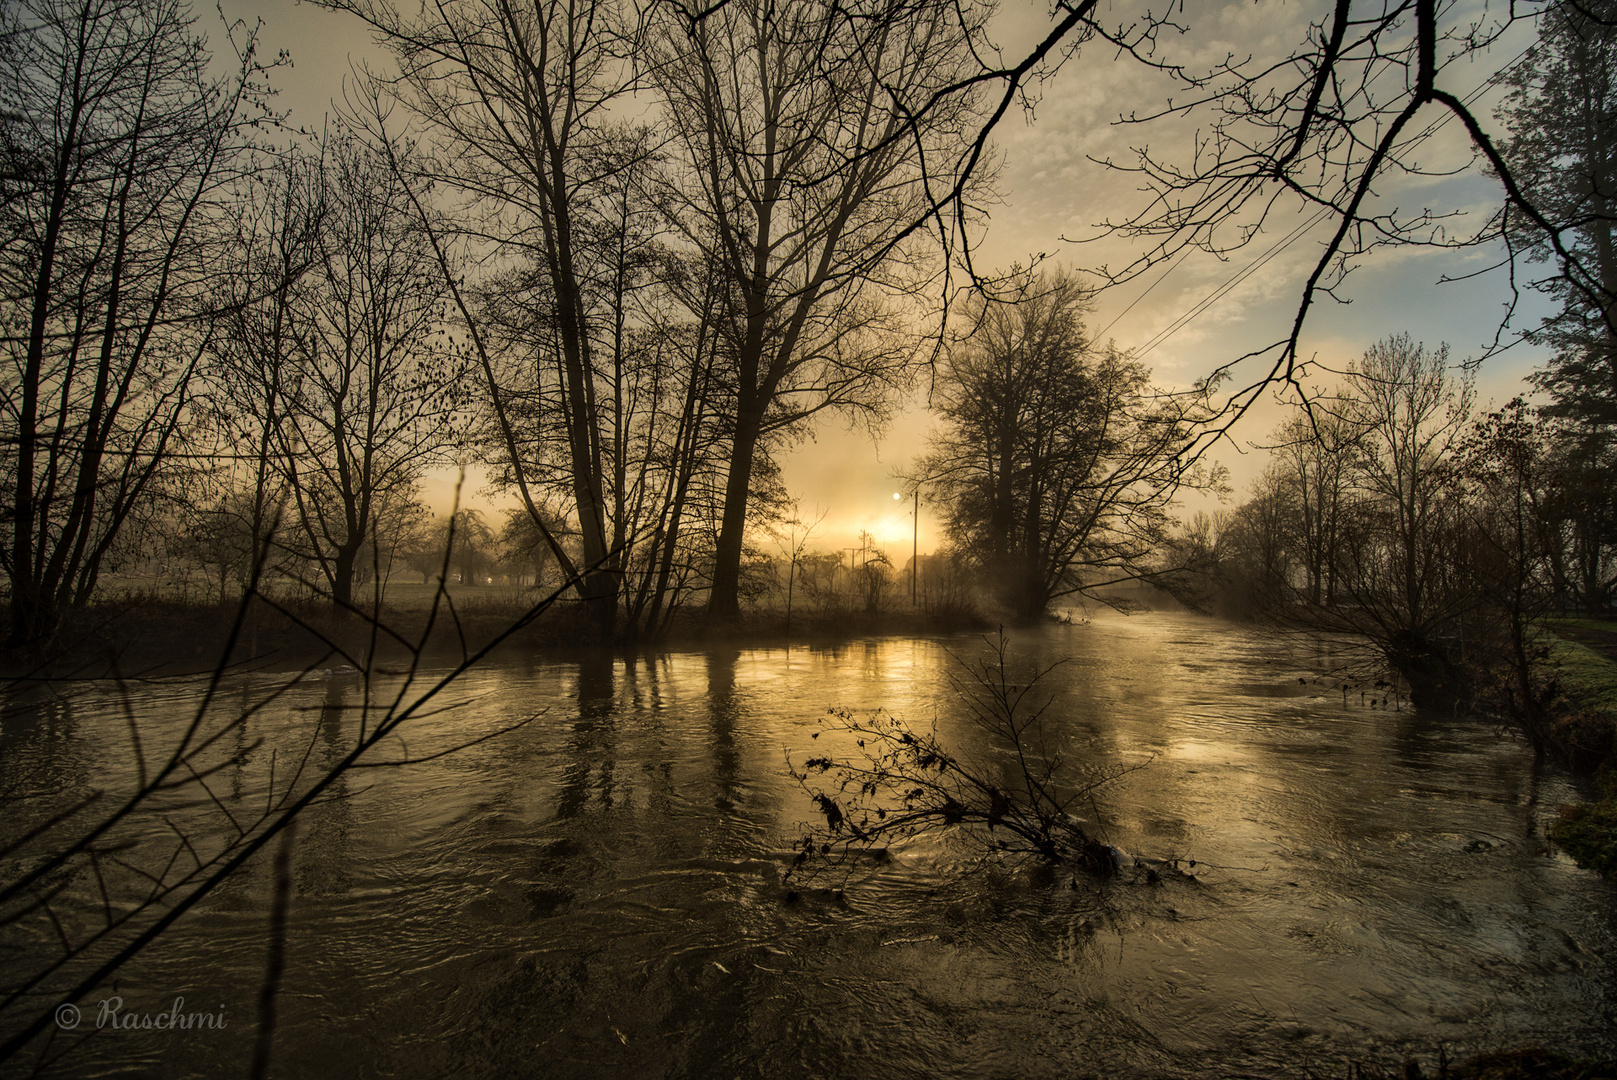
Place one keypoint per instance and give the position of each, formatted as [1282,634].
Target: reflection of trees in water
[592,743]
[874,659]
[643,694]
[723,710]
[242,740]
[38,723]
[1431,745]
[324,848]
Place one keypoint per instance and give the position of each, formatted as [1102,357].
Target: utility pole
[915,544]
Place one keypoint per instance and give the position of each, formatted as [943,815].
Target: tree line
[1371,518]
[1399,512]
[622,256]
[486,255]
[1397,509]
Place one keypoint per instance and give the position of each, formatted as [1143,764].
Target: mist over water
[597,894]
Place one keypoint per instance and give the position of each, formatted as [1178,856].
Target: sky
[1051,196]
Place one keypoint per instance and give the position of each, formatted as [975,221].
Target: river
[597,893]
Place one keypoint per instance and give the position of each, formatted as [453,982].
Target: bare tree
[523,549]
[247,379]
[792,536]
[1254,547]
[518,101]
[810,137]
[374,388]
[467,543]
[1405,579]
[1413,414]
[1328,124]
[1056,463]
[331,383]
[873,574]
[120,148]
[1514,549]
[657,391]
[1316,462]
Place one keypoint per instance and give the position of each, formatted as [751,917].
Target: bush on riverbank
[1588,832]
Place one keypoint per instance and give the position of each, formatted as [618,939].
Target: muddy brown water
[597,893]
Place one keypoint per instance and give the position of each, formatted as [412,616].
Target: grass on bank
[1588,680]
[1587,675]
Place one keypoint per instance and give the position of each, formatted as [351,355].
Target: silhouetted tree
[120,144]
[375,392]
[1317,456]
[1561,111]
[792,535]
[518,103]
[524,551]
[1402,563]
[809,137]
[471,545]
[1056,464]
[1327,124]
[1511,550]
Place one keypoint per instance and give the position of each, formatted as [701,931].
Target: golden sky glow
[1051,194]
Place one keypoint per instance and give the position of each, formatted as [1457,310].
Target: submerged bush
[901,783]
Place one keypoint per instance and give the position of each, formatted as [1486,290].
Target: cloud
[1053,192]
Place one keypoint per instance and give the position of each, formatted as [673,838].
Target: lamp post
[915,539]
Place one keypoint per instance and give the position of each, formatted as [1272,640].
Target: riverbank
[1584,657]
[140,636]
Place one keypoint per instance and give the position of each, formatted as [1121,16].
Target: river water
[597,893]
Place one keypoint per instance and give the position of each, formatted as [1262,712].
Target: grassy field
[415,597]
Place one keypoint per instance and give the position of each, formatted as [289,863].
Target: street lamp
[915,539]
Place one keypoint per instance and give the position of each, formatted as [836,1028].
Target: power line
[1102,334]
[1296,234]
[1231,282]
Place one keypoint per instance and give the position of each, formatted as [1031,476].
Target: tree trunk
[33,616]
[791,575]
[342,574]
[724,603]
[599,588]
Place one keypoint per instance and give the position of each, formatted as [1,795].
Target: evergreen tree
[1562,113]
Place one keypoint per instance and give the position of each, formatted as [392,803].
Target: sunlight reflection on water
[597,894]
